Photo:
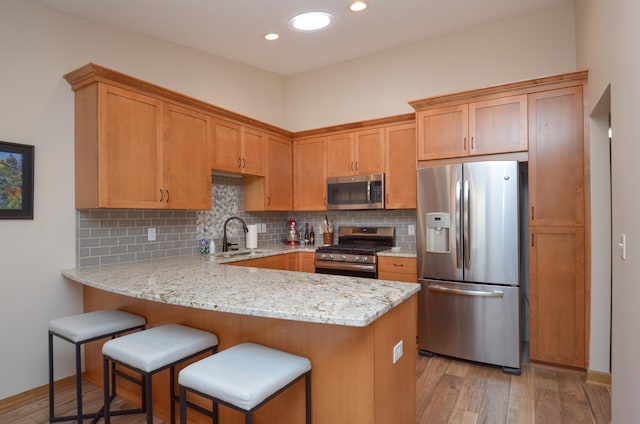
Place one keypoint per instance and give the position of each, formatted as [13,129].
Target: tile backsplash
[108,236]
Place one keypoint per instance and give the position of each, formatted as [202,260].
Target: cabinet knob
[243,164]
[239,162]
[161,195]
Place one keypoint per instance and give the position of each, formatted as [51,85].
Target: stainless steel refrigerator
[468,262]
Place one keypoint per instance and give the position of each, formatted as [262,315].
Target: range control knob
[365,259]
[356,259]
[330,257]
[323,257]
[343,258]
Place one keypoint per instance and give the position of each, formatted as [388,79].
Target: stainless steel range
[355,253]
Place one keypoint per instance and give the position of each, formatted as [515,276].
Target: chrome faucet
[225,245]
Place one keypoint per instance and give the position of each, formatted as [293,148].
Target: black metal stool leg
[79,382]
[107,400]
[51,401]
[148,398]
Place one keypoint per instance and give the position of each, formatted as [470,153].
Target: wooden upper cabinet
[401,164]
[443,132]
[310,174]
[356,153]
[237,148]
[558,298]
[186,168]
[480,128]
[252,151]
[498,125]
[369,151]
[225,152]
[279,174]
[340,155]
[274,191]
[556,158]
[124,146]
[135,151]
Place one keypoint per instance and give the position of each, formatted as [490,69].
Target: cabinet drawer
[397,268]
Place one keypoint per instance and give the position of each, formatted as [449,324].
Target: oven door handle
[340,265]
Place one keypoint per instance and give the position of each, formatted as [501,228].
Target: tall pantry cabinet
[558,292]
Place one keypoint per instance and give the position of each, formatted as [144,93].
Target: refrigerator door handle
[466,231]
[476,293]
[457,220]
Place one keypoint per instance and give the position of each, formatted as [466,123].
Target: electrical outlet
[397,352]
[151,234]
[411,229]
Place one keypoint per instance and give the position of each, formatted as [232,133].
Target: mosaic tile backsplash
[108,236]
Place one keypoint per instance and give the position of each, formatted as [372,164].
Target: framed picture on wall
[16,181]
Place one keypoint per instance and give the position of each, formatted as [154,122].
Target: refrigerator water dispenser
[438,224]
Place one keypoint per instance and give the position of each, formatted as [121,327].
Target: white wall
[607,35]
[524,47]
[37,47]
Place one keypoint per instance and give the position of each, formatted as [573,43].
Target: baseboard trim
[598,377]
[38,392]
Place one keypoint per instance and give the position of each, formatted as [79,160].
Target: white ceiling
[235,28]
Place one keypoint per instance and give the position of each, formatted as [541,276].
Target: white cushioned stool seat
[151,351]
[244,375]
[157,347]
[81,327]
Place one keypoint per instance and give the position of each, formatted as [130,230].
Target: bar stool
[148,352]
[243,377]
[78,330]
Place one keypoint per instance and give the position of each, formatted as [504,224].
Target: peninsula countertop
[203,282]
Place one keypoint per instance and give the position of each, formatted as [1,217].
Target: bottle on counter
[212,247]
[306,233]
[312,237]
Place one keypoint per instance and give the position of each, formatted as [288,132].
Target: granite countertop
[204,282]
[402,253]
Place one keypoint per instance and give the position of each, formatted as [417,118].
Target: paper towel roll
[252,237]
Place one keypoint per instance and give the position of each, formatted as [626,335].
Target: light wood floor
[449,391]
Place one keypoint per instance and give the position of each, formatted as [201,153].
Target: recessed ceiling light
[271,36]
[311,21]
[358,6]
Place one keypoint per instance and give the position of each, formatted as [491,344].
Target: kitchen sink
[241,252]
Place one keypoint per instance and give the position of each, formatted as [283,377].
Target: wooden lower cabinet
[397,269]
[306,262]
[353,380]
[285,262]
[558,298]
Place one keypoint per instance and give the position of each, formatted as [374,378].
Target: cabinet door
[130,149]
[306,262]
[556,158]
[187,174]
[557,295]
[498,125]
[252,157]
[340,156]
[278,178]
[309,174]
[369,152]
[400,160]
[442,133]
[226,155]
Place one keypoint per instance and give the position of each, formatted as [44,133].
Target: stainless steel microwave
[356,192]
